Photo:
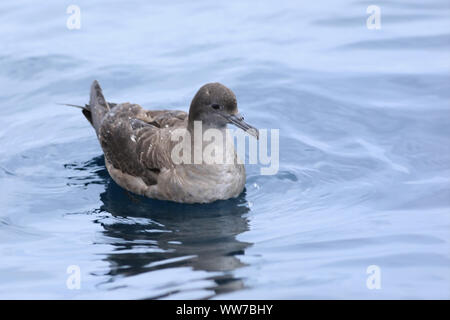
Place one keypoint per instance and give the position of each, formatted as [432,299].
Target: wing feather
[138,142]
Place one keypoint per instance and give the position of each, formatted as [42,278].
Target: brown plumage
[137,146]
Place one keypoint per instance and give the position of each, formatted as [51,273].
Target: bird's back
[134,140]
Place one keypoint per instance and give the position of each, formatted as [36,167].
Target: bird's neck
[194,127]
[205,138]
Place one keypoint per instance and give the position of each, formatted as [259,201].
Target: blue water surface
[364,177]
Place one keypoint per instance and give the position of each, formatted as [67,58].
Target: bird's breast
[201,183]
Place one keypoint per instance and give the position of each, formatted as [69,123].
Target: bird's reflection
[151,234]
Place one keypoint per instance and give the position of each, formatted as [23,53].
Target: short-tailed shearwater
[138,143]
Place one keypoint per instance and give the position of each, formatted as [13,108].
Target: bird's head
[216,106]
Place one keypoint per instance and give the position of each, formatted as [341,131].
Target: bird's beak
[238,120]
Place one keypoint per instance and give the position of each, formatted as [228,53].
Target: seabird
[138,143]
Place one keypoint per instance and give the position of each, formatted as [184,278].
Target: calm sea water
[364,177]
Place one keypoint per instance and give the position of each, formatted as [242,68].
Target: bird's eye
[216,106]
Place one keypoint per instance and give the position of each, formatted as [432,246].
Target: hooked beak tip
[254,132]
[238,120]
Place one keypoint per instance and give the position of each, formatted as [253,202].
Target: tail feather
[98,106]
[97,98]
[74,105]
[87,114]
[86,110]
